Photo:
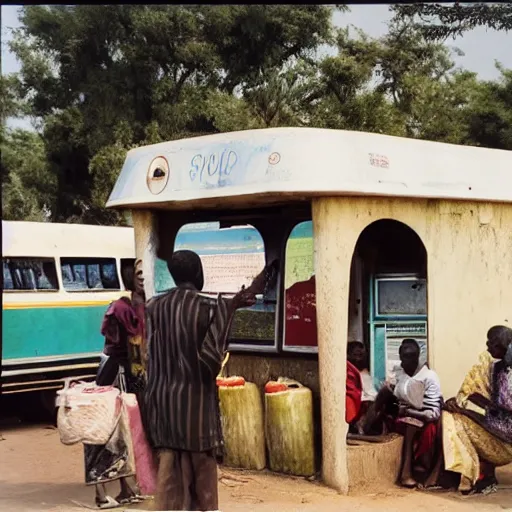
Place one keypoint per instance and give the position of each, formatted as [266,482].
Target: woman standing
[122,366]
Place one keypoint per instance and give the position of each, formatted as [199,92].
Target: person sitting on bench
[411,405]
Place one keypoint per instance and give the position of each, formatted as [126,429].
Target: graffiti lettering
[381,161]
[219,163]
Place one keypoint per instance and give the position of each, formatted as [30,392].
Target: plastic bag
[143,457]
[410,392]
[87,413]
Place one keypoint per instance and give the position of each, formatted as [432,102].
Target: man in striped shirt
[187,339]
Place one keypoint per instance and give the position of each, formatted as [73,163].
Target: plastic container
[289,427]
[243,427]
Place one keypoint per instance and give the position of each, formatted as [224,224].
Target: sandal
[109,503]
[423,487]
[481,490]
[130,500]
[409,485]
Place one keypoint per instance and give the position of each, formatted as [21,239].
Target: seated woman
[360,387]
[477,423]
[354,391]
[412,407]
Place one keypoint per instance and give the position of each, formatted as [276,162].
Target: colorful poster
[300,329]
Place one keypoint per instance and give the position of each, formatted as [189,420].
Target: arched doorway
[388,294]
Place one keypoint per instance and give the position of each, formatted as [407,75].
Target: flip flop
[124,501]
[136,498]
[109,504]
[142,497]
[491,489]
[428,488]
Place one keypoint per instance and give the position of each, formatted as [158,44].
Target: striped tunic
[187,336]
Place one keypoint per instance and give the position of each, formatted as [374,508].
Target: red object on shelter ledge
[230,382]
[275,387]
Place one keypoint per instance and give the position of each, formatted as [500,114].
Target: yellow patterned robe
[464,441]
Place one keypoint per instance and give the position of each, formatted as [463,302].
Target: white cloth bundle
[410,391]
[87,413]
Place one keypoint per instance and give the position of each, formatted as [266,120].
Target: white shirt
[369,392]
[432,398]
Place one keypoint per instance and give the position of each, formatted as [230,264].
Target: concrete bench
[374,466]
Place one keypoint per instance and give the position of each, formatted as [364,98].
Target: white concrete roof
[45,239]
[263,165]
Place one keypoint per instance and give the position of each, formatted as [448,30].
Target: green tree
[27,186]
[104,79]
[488,117]
[10,102]
[437,21]
[86,69]
[400,84]
[420,79]
[344,94]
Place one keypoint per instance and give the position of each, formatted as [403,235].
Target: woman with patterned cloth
[477,423]
[123,329]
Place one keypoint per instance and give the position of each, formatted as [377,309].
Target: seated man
[357,356]
[412,407]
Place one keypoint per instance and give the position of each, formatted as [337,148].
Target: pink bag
[145,462]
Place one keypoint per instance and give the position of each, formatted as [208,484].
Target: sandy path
[38,473]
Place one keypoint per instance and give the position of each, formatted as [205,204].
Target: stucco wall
[469,251]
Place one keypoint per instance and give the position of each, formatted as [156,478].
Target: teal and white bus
[58,280]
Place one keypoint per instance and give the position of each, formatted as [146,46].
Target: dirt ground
[38,473]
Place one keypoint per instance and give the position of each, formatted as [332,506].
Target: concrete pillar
[333,254]
[144,224]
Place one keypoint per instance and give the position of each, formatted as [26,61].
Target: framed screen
[400,296]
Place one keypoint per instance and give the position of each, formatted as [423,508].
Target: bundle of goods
[99,415]
[143,457]
[242,423]
[289,427]
[87,413]
[410,391]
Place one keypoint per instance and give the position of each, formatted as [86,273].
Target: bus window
[108,275]
[93,277]
[29,274]
[79,274]
[7,277]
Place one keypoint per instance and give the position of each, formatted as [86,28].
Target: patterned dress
[465,441]
[123,328]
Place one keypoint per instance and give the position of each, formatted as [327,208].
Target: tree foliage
[27,187]
[440,21]
[105,78]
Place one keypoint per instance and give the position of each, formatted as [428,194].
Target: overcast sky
[481,47]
